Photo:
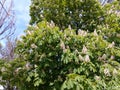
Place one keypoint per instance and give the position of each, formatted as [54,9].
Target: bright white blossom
[62,45]
[41,16]
[76,51]
[18,69]
[69,26]
[104,57]
[110,11]
[67,47]
[27,66]
[95,33]
[33,46]
[52,24]
[112,57]
[117,13]
[87,58]
[115,72]
[29,32]
[118,35]
[81,58]
[82,33]
[3,69]
[84,50]
[111,45]
[65,36]
[106,72]
[97,77]
[35,66]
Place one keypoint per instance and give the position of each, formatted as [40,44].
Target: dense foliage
[86,15]
[64,60]
[71,45]
[80,14]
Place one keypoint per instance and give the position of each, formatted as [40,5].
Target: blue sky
[21,8]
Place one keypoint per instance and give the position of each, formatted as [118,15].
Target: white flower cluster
[62,46]
[82,33]
[111,45]
[52,24]
[104,57]
[33,46]
[112,57]
[29,32]
[84,49]
[97,77]
[3,69]
[17,70]
[95,33]
[117,13]
[86,58]
[107,72]
[28,66]
[115,72]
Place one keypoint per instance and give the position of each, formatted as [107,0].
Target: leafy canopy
[80,14]
[63,60]
[52,56]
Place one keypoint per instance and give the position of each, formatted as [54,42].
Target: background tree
[7,64]
[86,15]
[7,52]
[10,64]
[79,14]
[7,18]
[7,27]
